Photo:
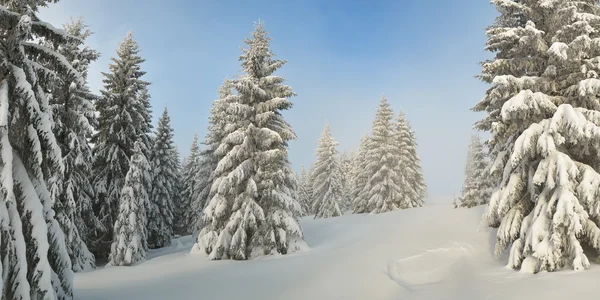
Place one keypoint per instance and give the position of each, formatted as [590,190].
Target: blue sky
[343,55]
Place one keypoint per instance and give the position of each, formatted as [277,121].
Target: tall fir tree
[130,232]
[409,166]
[189,174]
[164,164]
[383,189]
[253,212]
[124,116]
[359,177]
[476,188]
[543,115]
[327,178]
[34,258]
[75,120]
[177,199]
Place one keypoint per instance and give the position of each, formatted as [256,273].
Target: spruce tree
[252,211]
[305,193]
[474,191]
[346,168]
[34,258]
[124,117]
[327,182]
[164,164]
[383,189]
[130,243]
[543,115]
[409,166]
[189,173]
[177,200]
[359,177]
[73,114]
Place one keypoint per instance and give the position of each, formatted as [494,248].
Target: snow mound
[433,252]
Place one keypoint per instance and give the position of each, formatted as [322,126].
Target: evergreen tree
[189,173]
[409,166]
[252,211]
[383,189]
[359,177]
[346,175]
[130,244]
[327,178]
[177,200]
[476,190]
[73,112]
[124,117]
[164,164]
[543,115]
[305,193]
[34,259]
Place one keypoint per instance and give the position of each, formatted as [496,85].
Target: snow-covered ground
[434,252]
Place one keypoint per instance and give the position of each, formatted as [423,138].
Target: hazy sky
[343,55]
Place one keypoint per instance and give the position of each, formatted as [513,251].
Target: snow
[433,252]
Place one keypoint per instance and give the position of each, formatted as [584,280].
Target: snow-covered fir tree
[124,116]
[543,115]
[252,211]
[189,173]
[209,158]
[414,188]
[130,233]
[327,182]
[164,163]
[476,189]
[305,193]
[73,111]
[359,177]
[346,174]
[383,188]
[177,200]
[34,258]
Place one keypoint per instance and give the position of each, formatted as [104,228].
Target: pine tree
[543,115]
[359,177]
[383,190]
[327,178]
[409,166]
[252,211]
[209,158]
[475,189]
[178,230]
[346,175]
[73,114]
[305,193]
[189,173]
[124,117]
[130,243]
[164,164]
[34,259]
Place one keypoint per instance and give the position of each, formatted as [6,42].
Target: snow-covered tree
[189,173]
[252,211]
[346,174]
[476,189]
[409,166]
[73,114]
[543,115]
[165,168]
[327,182]
[124,117]
[305,193]
[359,177]
[177,200]
[383,189]
[34,258]
[130,243]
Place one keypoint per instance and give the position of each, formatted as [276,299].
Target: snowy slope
[434,252]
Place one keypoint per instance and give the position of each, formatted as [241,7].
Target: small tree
[327,182]
[305,193]
[130,244]
[476,188]
[414,189]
